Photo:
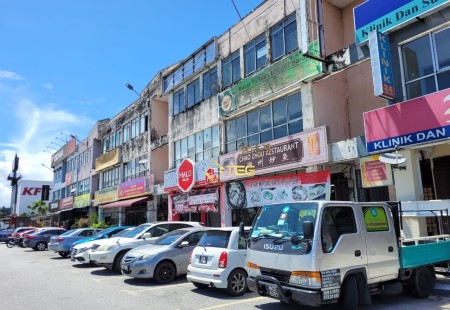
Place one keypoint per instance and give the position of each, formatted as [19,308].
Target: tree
[38,208]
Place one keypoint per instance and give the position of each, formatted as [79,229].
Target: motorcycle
[12,242]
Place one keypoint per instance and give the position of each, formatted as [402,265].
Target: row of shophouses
[297,101]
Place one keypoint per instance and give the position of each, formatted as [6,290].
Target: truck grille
[280,275]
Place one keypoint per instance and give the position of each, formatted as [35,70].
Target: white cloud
[47,86]
[9,75]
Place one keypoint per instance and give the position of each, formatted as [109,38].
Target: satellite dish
[392,158]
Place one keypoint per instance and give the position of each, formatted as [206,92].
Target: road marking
[234,303]
[135,292]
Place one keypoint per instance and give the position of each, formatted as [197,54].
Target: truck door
[342,244]
[382,251]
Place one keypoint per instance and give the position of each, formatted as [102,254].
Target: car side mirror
[184,244]
[146,236]
[308,230]
[241,230]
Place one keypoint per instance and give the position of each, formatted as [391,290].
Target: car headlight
[305,278]
[252,269]
[82,250]
[108,247]
[147,256]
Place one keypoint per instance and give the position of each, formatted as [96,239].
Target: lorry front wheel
[422,282]
[349,295]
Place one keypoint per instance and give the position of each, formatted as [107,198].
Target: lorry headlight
[252,269]
[305,278]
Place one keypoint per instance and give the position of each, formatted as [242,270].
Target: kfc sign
[186,175]
[32,191]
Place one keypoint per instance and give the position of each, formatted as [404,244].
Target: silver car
[166,258]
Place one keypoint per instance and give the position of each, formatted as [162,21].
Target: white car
[218,260]
[80,252]
[109,252]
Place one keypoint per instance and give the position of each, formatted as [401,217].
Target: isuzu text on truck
[321,252]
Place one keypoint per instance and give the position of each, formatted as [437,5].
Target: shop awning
[123,203]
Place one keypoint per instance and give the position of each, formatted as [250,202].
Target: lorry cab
[345,238]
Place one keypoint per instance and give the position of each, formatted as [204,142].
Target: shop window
[426,64]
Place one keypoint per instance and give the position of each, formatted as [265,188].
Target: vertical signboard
[374,173]
[380,58]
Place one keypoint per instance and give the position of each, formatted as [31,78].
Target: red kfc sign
[33,191]
[186,175]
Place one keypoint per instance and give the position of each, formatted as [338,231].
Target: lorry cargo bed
[423,251]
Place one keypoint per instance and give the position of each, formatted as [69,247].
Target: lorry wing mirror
[241,230]
[308,230]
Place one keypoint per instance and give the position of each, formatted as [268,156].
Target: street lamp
[53,142]
[52,148]
[47,167]
[130,87]
[61,140]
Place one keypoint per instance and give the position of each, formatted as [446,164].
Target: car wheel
[423,281]
[237,283]
[164,273]
[200,285]
[41,246]
[117,261]
[63,254]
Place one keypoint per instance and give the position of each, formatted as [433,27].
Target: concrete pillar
[101,217]
[408,184]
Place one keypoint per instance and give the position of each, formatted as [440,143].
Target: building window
[278,119]
[426,64]
[126,132]
[255,54]
[110,177]
[144,123]
[284,37]
[231,71]
[193,93]
[84,186]
[210,83]
[178,102]
[135,168]
[199,146]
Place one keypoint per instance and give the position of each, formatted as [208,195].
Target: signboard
[380,59]
[205,200]
[137,187]
[54,206]
[309,147]
[186,175]
[257,192]
[386,16]
[375,219]
[66,203]
[82,201]
[69,178]
[417,121]
[107,160]
[286,72]
[64,151]
[374,173]
[106,195]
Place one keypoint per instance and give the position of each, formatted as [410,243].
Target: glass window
[231,69]
[265,117]
[241,126]
[207,139]
[284,37]
[210,83]
[426,64]
[279,111]
[252,122]
[215,136]
[255,54]
[191,145]
[336,221]
[184,148]
[199,142]
[188,67]
[144,123]
[178,102]
[193,93]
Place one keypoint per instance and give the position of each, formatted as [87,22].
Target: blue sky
[64,65]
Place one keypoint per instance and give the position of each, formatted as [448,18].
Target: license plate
[124,267]
[272,290]
[203,259]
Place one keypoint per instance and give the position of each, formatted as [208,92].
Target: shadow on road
[151,282]
[103,272]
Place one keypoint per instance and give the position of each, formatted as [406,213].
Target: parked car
[80,252]
[164,259]
[109,253]
[62,243]
[5,234]
[21,235]
[38,240]
[103,234]
[219,261]
[20,230]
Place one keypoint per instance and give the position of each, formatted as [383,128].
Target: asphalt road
[43,280]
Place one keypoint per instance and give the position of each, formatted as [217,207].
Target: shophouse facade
[74,178]
[128,169]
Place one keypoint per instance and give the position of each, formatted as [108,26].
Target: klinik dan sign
[186,175]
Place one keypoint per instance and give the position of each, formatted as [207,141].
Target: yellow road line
[233,303]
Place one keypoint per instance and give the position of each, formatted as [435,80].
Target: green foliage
[38,208]
[23,214]
[93,219]
[100,225]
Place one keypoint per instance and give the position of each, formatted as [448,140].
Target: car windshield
[170,237]
[99,234]
[215,239]
[283,220]
[136,231]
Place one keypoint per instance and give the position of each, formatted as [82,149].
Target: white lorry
[320,252]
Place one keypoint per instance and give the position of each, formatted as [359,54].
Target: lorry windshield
[283,220]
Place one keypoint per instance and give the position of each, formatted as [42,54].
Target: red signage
[186,175]
[33,191]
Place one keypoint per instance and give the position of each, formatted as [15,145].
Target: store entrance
[441,172]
